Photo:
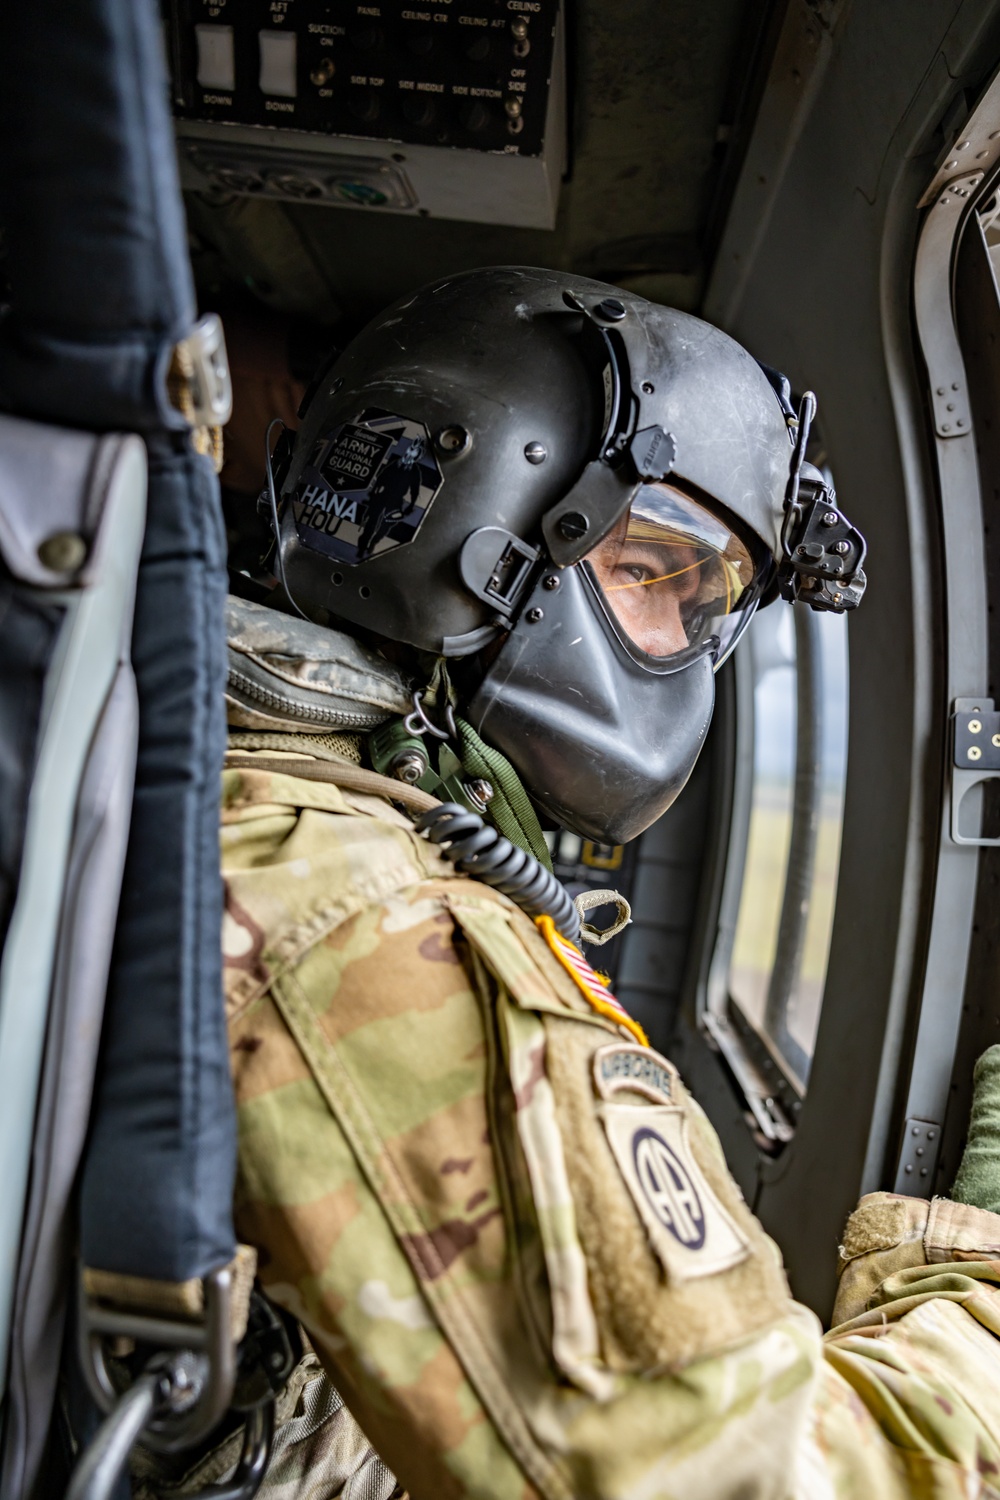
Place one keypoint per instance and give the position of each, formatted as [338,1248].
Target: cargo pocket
[651,1257]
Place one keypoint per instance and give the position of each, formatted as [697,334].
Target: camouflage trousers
[509,1230]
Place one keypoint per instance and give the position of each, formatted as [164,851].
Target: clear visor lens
[674,575]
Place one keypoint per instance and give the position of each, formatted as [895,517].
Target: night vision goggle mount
[822,553]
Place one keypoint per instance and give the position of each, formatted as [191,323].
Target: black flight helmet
[581,489]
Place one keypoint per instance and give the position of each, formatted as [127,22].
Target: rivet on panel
[974,752]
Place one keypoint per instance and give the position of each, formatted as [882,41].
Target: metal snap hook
[418,723]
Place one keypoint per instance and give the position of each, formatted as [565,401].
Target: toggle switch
[216,61]
[323,72]
[278,56]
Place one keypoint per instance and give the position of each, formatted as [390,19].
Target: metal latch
[975,760]
[203,364]
[769,1116]
[495,566]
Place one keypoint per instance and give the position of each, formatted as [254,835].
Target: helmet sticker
[367,486]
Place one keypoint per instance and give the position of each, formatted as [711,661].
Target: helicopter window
[771,956]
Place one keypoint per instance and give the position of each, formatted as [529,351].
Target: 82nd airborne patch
[690,1232]
[367,486]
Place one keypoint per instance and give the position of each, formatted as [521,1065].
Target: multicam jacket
[509,1230]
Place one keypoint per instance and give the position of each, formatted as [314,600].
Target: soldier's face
[673,573]
[647,585]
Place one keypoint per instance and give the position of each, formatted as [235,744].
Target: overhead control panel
[312,99]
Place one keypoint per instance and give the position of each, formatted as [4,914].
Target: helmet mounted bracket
[592,506]
[822,553]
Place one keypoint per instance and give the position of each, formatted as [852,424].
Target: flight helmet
[582,493]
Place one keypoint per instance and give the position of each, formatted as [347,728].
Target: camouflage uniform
[439,1165]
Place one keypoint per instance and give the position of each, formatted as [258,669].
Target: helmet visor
[675,576]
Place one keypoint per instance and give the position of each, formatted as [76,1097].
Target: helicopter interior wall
[976,282]
[828,294]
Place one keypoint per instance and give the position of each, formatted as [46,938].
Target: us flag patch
[593,985]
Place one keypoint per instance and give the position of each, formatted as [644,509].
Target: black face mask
[604,736]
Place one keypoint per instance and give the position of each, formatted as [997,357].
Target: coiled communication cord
[480,851]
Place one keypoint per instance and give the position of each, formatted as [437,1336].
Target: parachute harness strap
[444,755]
[509,808]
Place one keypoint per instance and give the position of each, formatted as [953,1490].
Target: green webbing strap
[978,1179]
[509,808]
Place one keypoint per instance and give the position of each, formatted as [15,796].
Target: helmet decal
[367,486]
